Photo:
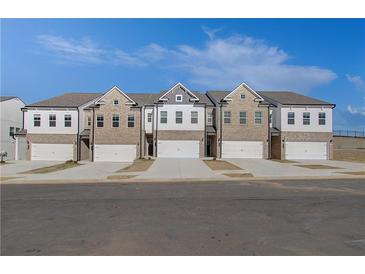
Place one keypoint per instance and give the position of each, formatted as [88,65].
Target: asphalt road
[325,217]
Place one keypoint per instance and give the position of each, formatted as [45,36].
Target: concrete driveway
[86,171]
[268,168]
[178,168]
[13,168]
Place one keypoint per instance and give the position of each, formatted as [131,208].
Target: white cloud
[356,80]
[210,32]
[220,63]
[355,110]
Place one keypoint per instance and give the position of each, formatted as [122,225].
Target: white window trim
[178,96]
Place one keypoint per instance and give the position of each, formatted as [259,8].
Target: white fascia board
[181,85]
[118,89]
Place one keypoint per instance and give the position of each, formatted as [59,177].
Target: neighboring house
[119,126]
[11,123]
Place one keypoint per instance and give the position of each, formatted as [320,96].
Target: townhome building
[11,121]
[175,123]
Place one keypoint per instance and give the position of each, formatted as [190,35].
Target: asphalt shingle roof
[290,98]
[67,100]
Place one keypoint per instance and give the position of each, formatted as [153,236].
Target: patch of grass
[284,161]
[351,155]
[49,169]
[238,175]
[353,173]
[137,166]
[318,167]
[221,165]
[120,177]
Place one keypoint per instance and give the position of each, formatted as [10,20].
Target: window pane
[194,117]
[227,117]
[37,120]
[163,117]
[52,120]
[89,121]
[100,120]
[11,131]
[322,118]
[67,120]
[149,117]
[178,117]
[306,118]
[258,117]
[243,117]
[291,119]
[210,118]
[115,120]
[130,120]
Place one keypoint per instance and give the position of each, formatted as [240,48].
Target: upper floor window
[149,117]
[194,117]
[242,96]
[243,117]
[258,117]
[178,98]
[270,118]
[178,117]
[227,117]
[99,120]
[163,118]
[52,120]
[306,118]
[130,120]
[291,118]
[11,131]
[67,120]
[115,102]
[210,118]
[37,120]
[322,118]
[88,121]
[17,130]
[115,120]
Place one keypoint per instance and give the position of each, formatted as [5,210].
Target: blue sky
[323,58]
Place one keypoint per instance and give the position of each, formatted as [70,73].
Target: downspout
[156,130]
[221,132]
[78,136]
[205,131]
[140,135]
[269,133]
[93,139]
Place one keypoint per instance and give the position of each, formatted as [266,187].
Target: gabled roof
[182,87]
[144,98]
[74,99]
[217,95]
[291,98]
[118,89]
[226,98]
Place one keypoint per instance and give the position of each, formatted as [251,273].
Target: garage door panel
[306,150]
[242,149]
[115,153]
[178,149]
[52,152]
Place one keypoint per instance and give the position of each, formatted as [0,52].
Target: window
[115,120]
[270,118]
[178,98]
[11,131]
[322,118]
[130,120]
[52,120]
[163,118]
[210,118]
[17,130]
[178,117]
[291,118]
[149,117]
[99,120]
[258,117]
[306,118]
[227,117]
[115,102]
[243,117]
[242,96]
[194,117]
[37,120]
[67,120]
[89,121]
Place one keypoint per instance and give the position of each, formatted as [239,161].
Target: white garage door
[115,153]
[52,152]
[306,150]
[242,149]
[178,149]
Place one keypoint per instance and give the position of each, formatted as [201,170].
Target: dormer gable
[117,90]
[240,93]
[178,94]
